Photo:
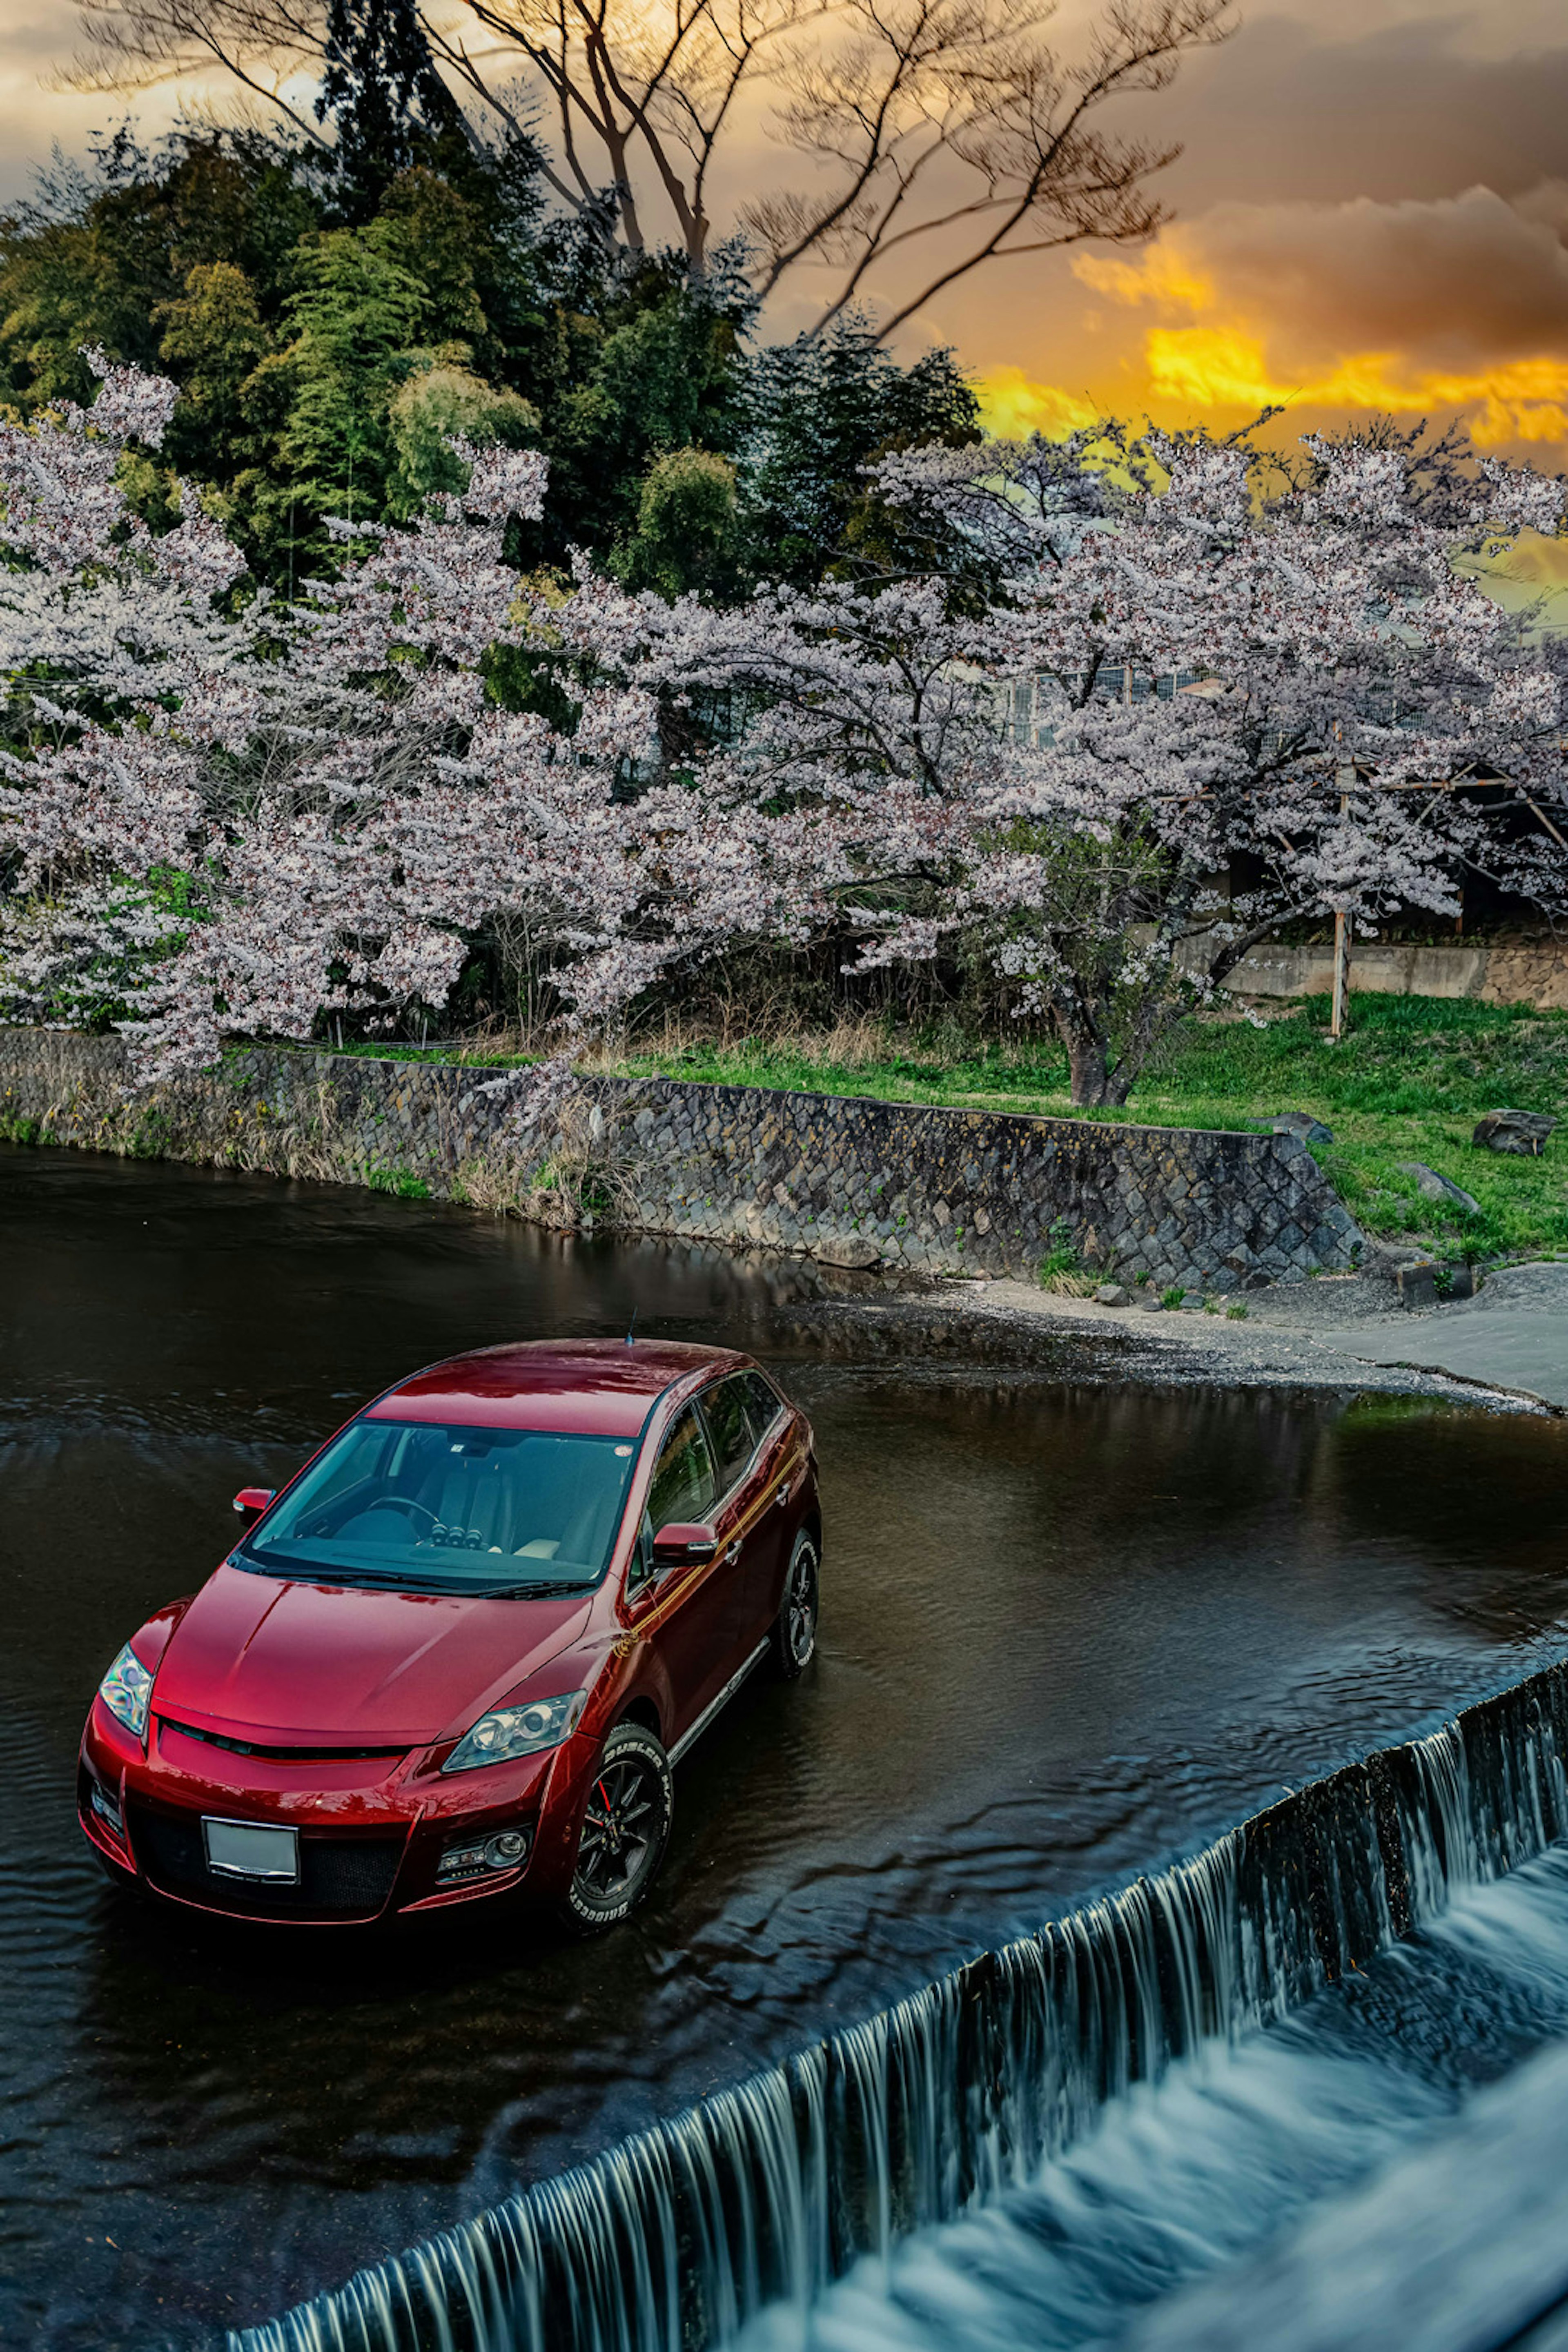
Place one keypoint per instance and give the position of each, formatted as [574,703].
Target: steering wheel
[404,1502]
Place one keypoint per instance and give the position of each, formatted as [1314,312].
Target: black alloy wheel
[625,1828]
[795,1628]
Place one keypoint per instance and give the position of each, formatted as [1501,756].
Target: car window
[683,1484]
[762,1402]
[732,1428]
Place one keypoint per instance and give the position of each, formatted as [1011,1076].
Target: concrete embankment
[858,1182]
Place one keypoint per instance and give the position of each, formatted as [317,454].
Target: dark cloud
[1281,111]
[1461,282]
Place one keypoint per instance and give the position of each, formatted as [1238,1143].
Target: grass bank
[1408,1083]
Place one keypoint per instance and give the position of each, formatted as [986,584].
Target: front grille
[276,1755]
[340,1877]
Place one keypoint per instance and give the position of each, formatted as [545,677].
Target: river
[1073,1624]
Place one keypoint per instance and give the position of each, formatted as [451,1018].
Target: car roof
[603,1387]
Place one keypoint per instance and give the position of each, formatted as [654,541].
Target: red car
[457,1656]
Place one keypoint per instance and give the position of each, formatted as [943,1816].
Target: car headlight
[126,1689]
[517,1731]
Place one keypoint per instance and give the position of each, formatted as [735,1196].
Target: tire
[625,1828]
[794,1627]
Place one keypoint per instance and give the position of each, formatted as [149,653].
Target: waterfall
[763,2195]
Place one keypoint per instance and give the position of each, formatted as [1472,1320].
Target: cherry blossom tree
[223,816]
[1361,722]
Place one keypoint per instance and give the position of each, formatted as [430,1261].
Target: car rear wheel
[794,1627]
[625,1828]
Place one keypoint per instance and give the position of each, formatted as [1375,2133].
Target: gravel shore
[1506,1348]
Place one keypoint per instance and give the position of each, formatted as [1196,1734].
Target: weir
[764,2195]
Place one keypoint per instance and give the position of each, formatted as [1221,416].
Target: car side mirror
[251,1501]
[683,1542]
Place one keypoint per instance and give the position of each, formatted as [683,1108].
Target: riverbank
[857,1182]
[1505,1349]
[1407,1084]
[923,1198]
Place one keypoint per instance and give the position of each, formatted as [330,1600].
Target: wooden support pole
[1339,1009]
[1341,1004]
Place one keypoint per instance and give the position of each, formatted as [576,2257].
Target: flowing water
[1035,2148]
[1073,1624]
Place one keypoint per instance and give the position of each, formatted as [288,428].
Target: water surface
[1070,1625]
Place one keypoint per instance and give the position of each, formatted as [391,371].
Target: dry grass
[586,1179]
[855,1041]
[488,1185]
[1068,1285]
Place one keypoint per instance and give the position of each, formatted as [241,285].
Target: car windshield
[427,1507]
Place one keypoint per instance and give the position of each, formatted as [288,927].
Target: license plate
[252,1850]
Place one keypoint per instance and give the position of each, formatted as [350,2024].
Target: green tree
[389,107]
[818,410]
[436,401]
[325,334]
[664,378]
[356,313]
[100,251]
[685,534]
[214,340]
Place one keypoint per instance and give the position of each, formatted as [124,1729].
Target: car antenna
[632,1332]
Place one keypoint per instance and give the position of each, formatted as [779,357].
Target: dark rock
[1418,1284]
[1464,1282]
[1301,1123]
[1112,1294]
[851,1250]
[1433,1187]
[1524,1132]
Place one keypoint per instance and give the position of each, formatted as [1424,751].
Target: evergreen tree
[356,312]
[685,535]
[818,410]
[320,339]
[388,105]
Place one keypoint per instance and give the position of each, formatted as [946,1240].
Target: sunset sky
[1373,214]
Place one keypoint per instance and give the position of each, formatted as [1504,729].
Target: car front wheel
[795,1628]
[625,1828]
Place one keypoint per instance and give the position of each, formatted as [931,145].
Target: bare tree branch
[952,121]
[257,43]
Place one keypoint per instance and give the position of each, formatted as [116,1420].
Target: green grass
[1408,1082]
[456,1054]
[401,1183]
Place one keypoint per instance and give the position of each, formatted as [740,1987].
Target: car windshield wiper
[316,1572]
[531,1592]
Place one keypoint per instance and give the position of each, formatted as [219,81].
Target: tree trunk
[1085,1062]
[1098,1082]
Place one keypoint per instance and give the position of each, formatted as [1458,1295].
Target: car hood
[328,1661]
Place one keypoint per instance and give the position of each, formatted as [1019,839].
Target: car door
[742,1415]
[685,1608]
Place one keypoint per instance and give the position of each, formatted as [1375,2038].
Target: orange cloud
[1212,367]
[1456,304]
[1012,407]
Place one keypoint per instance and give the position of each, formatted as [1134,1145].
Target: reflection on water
[1069,1626]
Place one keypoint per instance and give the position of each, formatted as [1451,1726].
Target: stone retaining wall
[854,1182]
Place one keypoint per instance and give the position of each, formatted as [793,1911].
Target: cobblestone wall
[856,1182]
